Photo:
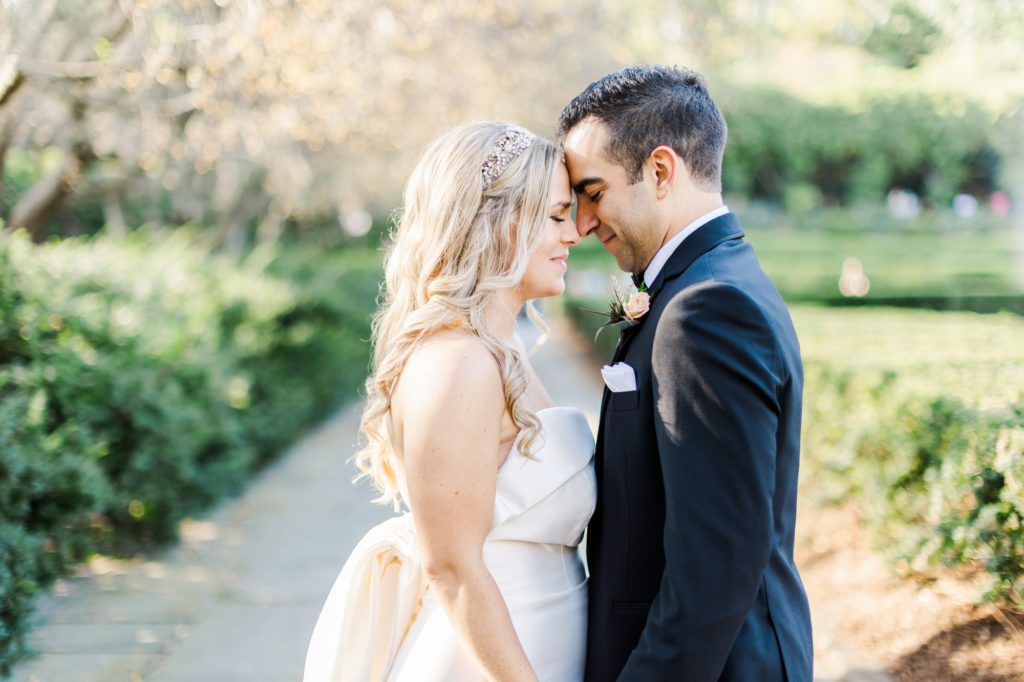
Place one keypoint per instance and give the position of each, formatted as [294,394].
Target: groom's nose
[586,220]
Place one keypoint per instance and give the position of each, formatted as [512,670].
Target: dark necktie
[638,279]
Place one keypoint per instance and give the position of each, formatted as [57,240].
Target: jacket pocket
[623,401]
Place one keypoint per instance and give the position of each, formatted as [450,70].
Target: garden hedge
[798,153]
[142,379]
[918,418]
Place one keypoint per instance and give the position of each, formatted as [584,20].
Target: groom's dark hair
[645,107]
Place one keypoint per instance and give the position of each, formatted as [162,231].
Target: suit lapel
[624,336]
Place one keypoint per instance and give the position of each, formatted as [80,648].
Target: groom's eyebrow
[581,186]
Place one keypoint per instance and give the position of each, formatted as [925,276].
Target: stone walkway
[237,599]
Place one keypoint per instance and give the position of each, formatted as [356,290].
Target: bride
[482,580]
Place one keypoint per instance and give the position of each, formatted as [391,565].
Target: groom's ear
[665,165]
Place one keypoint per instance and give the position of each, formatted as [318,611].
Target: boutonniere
[625,309]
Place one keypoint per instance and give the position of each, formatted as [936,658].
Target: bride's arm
[451,406]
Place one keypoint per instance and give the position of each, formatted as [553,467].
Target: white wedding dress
[380,622]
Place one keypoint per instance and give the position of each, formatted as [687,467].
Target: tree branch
[47,68]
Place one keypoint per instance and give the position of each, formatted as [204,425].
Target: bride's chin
[553,288]
[556,289]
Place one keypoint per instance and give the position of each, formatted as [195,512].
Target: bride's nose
[570,235]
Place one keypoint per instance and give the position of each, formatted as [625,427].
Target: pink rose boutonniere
[636,306]
[624,310]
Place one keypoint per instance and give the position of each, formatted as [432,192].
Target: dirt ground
[921,630]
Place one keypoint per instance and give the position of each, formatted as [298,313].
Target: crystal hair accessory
[505,151]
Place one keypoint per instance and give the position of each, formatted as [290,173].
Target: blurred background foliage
[193,195]
[259,118]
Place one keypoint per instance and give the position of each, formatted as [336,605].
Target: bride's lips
[561,260]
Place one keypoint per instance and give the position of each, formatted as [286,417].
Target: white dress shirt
[660,258]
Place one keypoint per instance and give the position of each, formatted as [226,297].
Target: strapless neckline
[544,415]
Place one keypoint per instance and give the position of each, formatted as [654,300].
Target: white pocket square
[619,377]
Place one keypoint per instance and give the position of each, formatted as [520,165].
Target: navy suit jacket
[690,549]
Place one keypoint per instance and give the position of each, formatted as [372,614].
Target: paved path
[237,599]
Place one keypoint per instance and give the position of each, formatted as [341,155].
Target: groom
[691,547]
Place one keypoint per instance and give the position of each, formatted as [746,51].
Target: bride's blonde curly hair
[454,246]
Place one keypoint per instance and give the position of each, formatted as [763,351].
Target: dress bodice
[550,496]
[542,505]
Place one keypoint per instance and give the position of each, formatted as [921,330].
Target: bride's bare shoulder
[451,349]
[451,365]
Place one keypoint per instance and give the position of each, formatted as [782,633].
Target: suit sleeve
[715,377]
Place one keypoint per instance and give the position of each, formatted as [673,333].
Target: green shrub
[51,491]
[143,379]
[781,146]
[919,417]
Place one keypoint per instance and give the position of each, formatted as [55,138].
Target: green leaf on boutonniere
[624,310]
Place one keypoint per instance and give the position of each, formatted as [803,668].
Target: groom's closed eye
[587,185]
[590,190]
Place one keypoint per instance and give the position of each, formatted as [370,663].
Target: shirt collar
[660,258]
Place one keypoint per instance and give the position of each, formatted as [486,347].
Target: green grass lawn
[807,264]
[899,339]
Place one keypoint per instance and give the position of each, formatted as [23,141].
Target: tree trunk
[11,80]
[5,128]
[113,215]
[45,197]
[9,85]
